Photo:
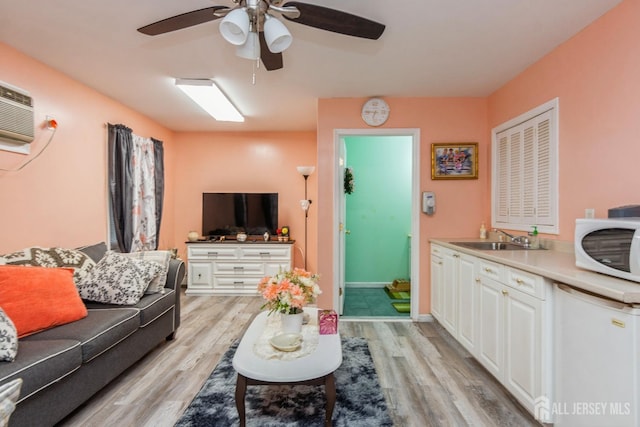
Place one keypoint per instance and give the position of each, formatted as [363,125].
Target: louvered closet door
[529,196]
[545,190]
[501,169]
[523,167]
[515,175]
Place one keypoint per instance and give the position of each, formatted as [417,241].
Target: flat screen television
[226,214]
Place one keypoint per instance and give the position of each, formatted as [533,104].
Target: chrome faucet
[521,240]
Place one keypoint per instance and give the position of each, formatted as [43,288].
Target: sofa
[61,367]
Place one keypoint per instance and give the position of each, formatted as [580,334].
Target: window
[525,171]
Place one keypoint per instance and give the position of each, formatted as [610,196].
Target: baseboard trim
[366,284]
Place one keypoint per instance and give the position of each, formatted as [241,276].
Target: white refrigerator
[596,361]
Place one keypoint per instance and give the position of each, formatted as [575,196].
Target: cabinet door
[523,354]
[468,305]
[200,275]
[449,291]
[436,285]
[490,346]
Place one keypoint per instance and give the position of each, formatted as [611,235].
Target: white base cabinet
[467,302]
[230,268]
[450,275]
[437,266]
[501,315]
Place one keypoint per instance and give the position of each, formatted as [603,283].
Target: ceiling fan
[258,34]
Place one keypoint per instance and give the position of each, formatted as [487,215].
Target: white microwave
[610,246]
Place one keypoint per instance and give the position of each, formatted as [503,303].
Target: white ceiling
[430,48]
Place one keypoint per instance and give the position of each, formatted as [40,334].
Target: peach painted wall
[460,204]
[247,162]
[60,198]
[596,76]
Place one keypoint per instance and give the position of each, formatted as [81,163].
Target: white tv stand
[234,268]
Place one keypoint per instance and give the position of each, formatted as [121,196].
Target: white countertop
[555,265]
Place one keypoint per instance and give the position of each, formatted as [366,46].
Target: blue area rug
[359,403]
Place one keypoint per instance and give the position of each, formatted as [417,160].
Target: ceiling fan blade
[272,61]
[336,21]
[181,21]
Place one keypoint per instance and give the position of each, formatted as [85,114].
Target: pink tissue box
[328,322]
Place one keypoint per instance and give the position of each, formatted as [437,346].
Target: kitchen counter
[556,265]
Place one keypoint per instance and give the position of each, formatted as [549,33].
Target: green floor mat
[397,294]
[402,307]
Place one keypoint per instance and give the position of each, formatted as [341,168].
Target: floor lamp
[305,171]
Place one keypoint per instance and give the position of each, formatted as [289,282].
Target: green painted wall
[379,209]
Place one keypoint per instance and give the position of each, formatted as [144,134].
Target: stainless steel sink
[492,246]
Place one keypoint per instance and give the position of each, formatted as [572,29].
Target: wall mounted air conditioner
[16,114]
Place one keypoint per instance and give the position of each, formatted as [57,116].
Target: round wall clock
[375,112]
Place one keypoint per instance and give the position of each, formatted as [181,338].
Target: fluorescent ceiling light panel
[207,95]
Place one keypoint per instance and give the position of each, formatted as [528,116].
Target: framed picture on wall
[454,160]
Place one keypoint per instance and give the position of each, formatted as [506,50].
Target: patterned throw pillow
[52,257]
[9,394]
[162,258]
[118,279]
[8,338]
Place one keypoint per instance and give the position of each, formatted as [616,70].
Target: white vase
[292,323]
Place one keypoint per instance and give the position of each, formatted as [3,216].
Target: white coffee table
[316,368]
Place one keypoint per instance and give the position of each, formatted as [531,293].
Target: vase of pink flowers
[287,292]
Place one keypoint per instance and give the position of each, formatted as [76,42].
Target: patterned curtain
[136,188]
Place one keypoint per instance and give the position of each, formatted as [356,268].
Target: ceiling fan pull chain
[256,63]
[253,79]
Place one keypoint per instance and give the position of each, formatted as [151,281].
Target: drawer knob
[477,280]
[505,293]
[456,256]
[519,281]
[488,270]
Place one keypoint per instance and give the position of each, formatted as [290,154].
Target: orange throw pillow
[38,298]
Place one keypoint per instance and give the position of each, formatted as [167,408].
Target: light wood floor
[427,377]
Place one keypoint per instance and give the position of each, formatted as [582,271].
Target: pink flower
[289,291]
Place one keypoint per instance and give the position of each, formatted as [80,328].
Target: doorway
[378,273]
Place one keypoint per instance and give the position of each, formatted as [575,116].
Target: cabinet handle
[505,293]
[239,282]
[519,281]
[238,267]
[439,262]
[199,276]
[618,323]
[212,253]
[488,270]
[477,280]
[265,253]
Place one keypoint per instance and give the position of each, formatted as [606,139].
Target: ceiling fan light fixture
[276,34]
[235,26]
[210,98]
[251,48]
